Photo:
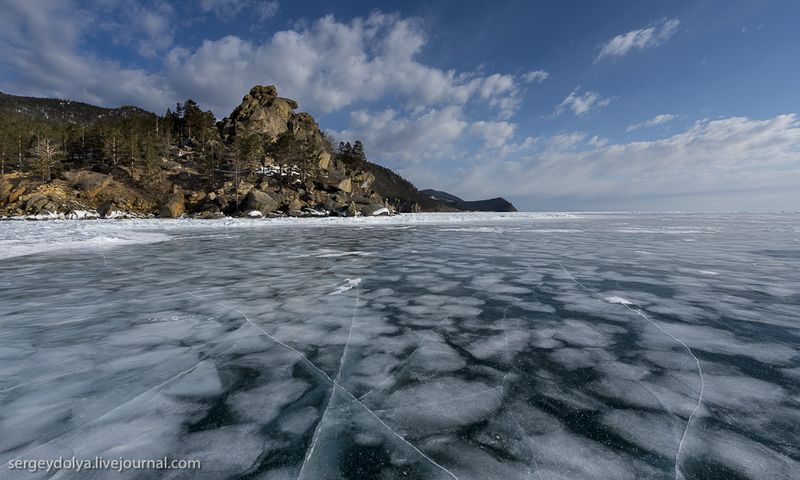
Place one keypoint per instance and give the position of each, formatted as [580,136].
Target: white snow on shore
[19,237]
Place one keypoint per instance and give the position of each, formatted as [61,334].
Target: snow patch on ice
[348,284]
[618,300]
[45,243]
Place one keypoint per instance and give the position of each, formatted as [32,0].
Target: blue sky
[556,105]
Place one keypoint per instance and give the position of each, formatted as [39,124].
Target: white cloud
[41,54]
[712,157]
[227,10]
[582,103]
[565,141]
[329,65]
[657,120]
[493,134]
[535,76]
[403,140]
[268,9]
[149,28]
[598,141]
[651,36]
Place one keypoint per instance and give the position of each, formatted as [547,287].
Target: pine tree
[358,153]
[151,158]
[249,151]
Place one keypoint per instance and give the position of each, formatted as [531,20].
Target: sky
[554,105]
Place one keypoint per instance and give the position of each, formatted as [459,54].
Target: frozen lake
[585,346]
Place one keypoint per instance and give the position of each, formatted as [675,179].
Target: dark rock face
[173,207]
[43,203]
[90,183]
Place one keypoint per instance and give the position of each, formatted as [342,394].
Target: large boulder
[256,200]
[324,160]
[16,193]
[296,205]
[361,199]
[107,209]
[5,187]
[374,210]
[329,181]
[173,206]
[42,203]
[364,180]
[345,185]
[90,183]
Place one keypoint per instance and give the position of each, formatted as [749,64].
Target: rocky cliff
[271,161]
[264,159]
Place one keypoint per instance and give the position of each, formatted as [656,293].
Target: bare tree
[4,146]
[132,152]
[112,147]
[330,142]
[46,158]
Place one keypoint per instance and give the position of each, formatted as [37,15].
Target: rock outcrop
[262,111]
[263,160]
[90,183]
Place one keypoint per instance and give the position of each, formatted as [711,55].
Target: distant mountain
[498,204]
[65,111]
[402,193]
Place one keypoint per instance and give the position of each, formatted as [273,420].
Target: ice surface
[468,346]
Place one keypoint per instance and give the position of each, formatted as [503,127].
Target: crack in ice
[151,389]
[678,473]
[510,361]
[317,430]
[627,304]
[317,369]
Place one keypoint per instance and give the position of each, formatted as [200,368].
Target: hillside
[403,193]
[498,204]
[60,158]
[64,111]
